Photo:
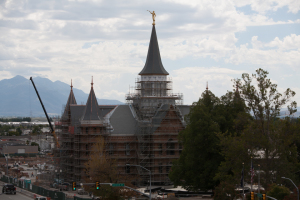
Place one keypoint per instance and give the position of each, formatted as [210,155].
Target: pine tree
[200,157]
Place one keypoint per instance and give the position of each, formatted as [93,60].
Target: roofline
[154,74]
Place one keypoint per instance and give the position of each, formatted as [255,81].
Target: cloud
[291,42]
[191,81]
[269,5]
[286,52]
[64,40]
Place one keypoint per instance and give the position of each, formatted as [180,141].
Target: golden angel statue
[153,16]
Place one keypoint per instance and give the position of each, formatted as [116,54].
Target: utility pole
[243,183]
[258,181]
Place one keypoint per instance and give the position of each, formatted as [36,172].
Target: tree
[225,191]
[36,130]
[269,140]
[292,195]
[35,144]
[200,157]
[100,168]
[278,192]
[19,131]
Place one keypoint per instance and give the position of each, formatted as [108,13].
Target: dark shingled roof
[122,120]
[76,113]
[91,108]
[153,64]
[71,100]
[78,110]
[105,109]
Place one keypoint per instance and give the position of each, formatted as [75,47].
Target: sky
[200,41]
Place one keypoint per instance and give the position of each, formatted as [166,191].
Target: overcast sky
[199,41]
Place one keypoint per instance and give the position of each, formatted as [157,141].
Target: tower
[158,118]
[154,87]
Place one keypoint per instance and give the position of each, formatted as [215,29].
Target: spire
[206,85]
[71,100]
[91,108]
[153,64]
[92,83]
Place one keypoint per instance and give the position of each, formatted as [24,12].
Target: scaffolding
[153,144]
[159,122]
[77,139]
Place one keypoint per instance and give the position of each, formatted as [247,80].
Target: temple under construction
[142,132]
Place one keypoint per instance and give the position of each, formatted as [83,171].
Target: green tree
[278,192]
[225,191]
[19,131]
[35,144]
[268,139]
[200,157]
[36,130]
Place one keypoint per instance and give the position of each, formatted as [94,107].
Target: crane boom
[51,127]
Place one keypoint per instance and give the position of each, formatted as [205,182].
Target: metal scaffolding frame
[159,122]
[153,145]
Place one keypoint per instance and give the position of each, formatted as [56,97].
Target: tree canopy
[200,158]
[222,133]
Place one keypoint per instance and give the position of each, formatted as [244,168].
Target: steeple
[91,108]
[153,64]
[71,100]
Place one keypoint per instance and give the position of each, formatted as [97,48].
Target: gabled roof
[123,121]
[71,100]
[91,108]
[153,64]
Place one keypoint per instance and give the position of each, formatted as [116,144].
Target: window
[168,169]
[127,149]
[170,147]
[160,149]
[127,169]
[87,130]
[111,149]
[160,168]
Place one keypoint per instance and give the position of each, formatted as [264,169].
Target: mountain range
[18,97]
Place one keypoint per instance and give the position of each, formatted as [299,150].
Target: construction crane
[51,127]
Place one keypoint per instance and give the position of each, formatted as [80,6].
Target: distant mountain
[18,97]
[285,113]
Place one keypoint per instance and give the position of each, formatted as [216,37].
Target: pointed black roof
[91,108]
[71,100]
[153,64]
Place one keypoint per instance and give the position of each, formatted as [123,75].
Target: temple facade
[144,131]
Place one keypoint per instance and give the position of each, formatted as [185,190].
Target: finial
[153,16]
[92,82]
[206,85]
[71,85]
